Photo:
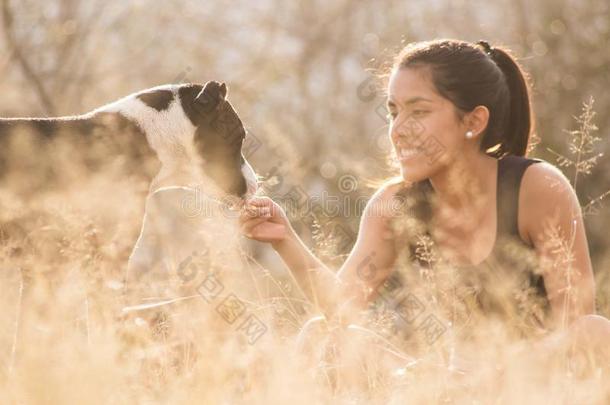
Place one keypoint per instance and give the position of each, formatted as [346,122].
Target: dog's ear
[212,94]
[223,90]
[200,102]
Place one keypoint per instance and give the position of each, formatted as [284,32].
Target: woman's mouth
[404,154]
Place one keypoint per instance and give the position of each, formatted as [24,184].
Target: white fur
[251,179]
[169,132]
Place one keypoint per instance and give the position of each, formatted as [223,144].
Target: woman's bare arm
[366,267]
[555,226]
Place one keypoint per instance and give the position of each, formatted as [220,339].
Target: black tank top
[509,176]
[508,282]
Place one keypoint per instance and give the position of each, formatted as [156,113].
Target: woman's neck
[467,183]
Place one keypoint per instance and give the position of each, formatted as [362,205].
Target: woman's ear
[477,120]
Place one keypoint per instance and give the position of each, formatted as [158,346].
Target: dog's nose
[252,188]
[250,177]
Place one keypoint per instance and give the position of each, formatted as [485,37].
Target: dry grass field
[74,333]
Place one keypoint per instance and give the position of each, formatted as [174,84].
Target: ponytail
[518,123]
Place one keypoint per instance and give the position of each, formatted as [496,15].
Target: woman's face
[425,129]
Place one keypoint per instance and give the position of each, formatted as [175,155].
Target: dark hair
[470,75]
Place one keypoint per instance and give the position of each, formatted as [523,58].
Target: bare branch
[28,71]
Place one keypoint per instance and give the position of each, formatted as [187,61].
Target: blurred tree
[299,71]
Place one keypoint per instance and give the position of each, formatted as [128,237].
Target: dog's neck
[168,132]
[190,176]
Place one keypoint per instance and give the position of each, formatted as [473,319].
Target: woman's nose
[406,130]
[396,134]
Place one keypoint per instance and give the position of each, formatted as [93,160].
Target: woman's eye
[419,112]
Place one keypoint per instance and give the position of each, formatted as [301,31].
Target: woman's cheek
[445,147]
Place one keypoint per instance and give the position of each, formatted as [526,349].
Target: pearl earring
[469,134]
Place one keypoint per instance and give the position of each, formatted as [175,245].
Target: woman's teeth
[405,153]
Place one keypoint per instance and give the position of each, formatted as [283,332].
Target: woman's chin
[412,171]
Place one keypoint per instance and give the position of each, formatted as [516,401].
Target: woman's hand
[262,219]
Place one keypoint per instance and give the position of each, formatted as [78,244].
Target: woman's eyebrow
[412,100]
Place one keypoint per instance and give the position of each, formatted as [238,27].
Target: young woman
[461,120]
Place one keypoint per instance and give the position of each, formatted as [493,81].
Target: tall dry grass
[67,338]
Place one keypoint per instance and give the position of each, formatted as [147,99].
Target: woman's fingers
[259,201]
[264,202]
[247,220]
[250,213]
[262,219]
[250,224]
[259,206]
[268,232]
[254,212]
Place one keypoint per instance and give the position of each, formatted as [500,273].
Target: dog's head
[201,116]
[218,137]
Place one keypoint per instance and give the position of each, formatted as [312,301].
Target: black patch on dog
[99,140]
[158,99]
[219,134]
[187,94]
[45,127]
[200,102]
[126,137]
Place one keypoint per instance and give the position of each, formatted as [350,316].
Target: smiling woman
[479,111]
[461,120]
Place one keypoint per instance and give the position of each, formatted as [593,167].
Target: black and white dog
[188,137]
[190,129]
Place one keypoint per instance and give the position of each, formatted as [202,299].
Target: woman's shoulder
[390,189]
[546,192]
[388,198]
[544,179]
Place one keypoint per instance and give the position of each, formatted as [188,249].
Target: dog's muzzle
[251,181]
